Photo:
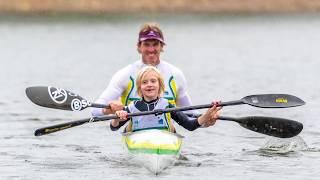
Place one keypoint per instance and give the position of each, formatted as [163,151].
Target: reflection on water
[223,57]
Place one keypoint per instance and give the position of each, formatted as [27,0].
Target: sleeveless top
[152,121]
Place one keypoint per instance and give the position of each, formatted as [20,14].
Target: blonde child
[150,87]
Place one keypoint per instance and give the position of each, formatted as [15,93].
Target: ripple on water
[312,150]
[271,153]
[205,154]
[15,114]
[47,119]
[33,119]
[3,153]
[22,157]
[18,117]
[192,159]
[19,137]
[187,163]
[83,149]
[59,165]
[120,160]
[44,145]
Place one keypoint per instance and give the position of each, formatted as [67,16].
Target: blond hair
[142,74]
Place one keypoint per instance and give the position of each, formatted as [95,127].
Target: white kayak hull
[153,149]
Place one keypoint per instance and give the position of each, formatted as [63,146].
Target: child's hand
[210,117]
[114,106]
[123,115]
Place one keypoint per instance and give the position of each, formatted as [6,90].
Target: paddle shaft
[54,128]
[228,103]
[267,101]
[67,125]
[99,105]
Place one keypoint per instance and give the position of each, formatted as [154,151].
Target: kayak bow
[154,149]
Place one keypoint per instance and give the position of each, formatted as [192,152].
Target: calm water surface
[223,57]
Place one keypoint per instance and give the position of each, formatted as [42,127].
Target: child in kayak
[150,87]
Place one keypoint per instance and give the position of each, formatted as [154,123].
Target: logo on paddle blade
[281,100]
[78,105]
[58,95]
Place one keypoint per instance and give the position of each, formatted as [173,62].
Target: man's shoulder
[175,70]
[128,69]
[130,66]
[167,64]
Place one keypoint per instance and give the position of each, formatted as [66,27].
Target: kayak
[154,149]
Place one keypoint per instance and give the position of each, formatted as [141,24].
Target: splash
[284,145]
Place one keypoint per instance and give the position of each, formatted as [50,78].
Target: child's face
[150,86]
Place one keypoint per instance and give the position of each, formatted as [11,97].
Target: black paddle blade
[273,100]
[277,127]
[56,98]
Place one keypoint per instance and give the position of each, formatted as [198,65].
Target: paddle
[271,126]
[58,98]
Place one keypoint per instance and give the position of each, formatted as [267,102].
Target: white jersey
[123,86]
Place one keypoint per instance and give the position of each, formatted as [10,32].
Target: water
[224,57]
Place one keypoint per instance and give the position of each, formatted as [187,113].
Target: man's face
[150,51]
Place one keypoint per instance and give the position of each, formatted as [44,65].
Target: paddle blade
[57,98]
[277,127]
[273,101]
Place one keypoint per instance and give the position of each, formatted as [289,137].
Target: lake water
[224,57]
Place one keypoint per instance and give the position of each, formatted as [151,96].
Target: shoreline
[35,17]
[156,6]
